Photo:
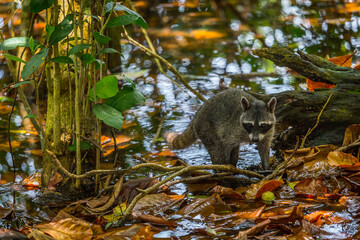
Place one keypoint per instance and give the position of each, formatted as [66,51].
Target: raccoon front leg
[264,152]
[234,155]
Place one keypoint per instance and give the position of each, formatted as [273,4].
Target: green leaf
[93,16]
[100,38]
[12,43]
[78,48]
[108,50]
[62,59]
[105,88]
[21,83]
[30,116]
[4,99]
[121,20]
[83,146]
[31,44]
[14,58]
[108,115]
[125,99]
[87,58]
[139,21]
[49,30]
[39,5]
[62,30]
[34,63]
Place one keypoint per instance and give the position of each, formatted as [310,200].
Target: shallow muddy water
[210,43]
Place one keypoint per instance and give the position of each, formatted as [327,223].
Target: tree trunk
[300,109]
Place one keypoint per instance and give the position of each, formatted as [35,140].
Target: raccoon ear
[245,104]
[271,105]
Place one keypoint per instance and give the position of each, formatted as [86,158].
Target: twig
[195,179]
[228,168]
[168,65]
[282,166]
[158,131]
[351,145]
[317,122]
[94,143]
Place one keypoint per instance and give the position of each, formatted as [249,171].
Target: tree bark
[300,109]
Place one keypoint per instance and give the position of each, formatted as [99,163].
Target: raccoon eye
[248,126]
[265,127]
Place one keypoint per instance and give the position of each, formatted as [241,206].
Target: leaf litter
[315,197]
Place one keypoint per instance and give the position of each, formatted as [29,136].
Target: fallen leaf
[54,181]
[257,189]
[314,216]
[204,207]
[156,220]
[311,187]
[254,230]
[33,181]
[344,61]
[155,204]
[226,192]
[68,228]
[337,158]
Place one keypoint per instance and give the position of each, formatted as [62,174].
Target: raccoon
[226,120]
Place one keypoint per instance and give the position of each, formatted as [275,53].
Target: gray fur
[219,125]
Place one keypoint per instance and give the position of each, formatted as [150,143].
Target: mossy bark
[300,109]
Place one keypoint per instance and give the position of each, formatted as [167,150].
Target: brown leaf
[135,231]
[249,214]
[254,230]
[155,204]
[54,181]
[311,187]
[257,189]
[11,234]
[296,214]
[156,220]
[314,216]
[128,191]
[68,228]
[352,133]
[227,192]
[205,207]
[337,158]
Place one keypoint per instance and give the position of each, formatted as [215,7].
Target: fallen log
[300,109]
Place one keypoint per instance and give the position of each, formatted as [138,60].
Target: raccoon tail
[181,140]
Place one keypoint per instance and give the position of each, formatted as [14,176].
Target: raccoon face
[258,118]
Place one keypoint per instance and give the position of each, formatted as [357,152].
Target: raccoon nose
[255,138]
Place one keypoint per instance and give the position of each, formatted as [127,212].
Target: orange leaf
[270,186]
[201,34]
[227,192]
[256,190]
[344,61]
[314,216]
[32,181]
[336,158]
[166,153]
[315,85]
[355,167]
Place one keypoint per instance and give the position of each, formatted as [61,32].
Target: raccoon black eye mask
[226,120]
